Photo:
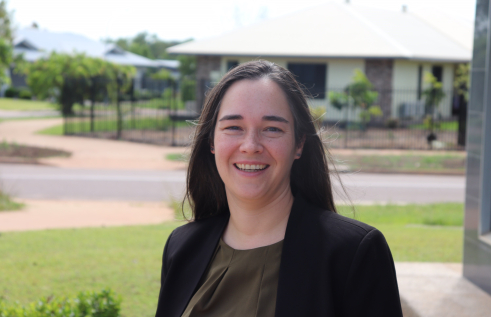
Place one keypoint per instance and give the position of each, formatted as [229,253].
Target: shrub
[11,92]
[86,304]
[25,94]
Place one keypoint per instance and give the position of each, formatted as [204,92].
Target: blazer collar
[291,246]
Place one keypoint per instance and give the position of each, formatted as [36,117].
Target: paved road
[42,182]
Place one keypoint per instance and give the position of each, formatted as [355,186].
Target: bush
[86,304]
[188,90]
[25,94]
[11,92]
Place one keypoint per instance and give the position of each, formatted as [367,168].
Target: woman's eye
[273,129]
[233,128]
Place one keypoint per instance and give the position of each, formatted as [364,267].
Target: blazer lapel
[194,263]
[292,264]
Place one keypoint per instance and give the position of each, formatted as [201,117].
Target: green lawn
[402,163]
[25,105]
[128,259]
[110,125]
[439,126]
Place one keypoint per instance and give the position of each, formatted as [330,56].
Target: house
[323,46]
[34,44]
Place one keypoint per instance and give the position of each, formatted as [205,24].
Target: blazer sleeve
[371,287]
[163,274]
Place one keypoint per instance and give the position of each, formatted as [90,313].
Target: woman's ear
[212,149]
[299,151]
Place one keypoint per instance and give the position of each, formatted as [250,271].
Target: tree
[6,51]
[358,94]
[73,78]
[433,95]
[462,80]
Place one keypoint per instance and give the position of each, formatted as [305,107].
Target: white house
[325,44]
[35,44]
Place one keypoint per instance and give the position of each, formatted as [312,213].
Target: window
[232,64]
[437,71]
[312,77]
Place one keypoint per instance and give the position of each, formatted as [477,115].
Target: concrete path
[13,114]
[89,153]
[50,214]
[439,290]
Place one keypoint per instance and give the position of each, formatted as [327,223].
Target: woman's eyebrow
[232,117]
[275,118]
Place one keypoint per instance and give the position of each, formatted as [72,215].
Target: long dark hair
[309,176]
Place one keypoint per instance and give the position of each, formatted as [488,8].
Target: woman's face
[254,142]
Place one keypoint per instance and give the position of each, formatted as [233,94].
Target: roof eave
[399,57]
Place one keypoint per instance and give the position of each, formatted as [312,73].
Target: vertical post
[132,97]
[119,122]
[346,120]
[92,102]
[174,107]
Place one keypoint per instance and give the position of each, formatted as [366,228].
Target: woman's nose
[251,144]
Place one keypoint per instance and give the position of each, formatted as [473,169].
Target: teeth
[251,167]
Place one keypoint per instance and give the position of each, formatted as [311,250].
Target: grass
[439,126]
[8,204]
[83,126]
[25,105]
[159,103]
[409,163]
[64,262]
[178,157]
[128,259]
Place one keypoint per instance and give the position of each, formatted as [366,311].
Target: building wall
[405,83]
[380,73]
[339,74]
[207,69]
[477,225]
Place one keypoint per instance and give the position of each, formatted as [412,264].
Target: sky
[183,19]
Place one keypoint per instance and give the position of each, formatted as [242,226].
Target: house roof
[35,44]
[341,30]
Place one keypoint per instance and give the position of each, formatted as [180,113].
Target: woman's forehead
[255,97]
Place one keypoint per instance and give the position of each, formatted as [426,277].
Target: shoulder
[330,229]
[192,233]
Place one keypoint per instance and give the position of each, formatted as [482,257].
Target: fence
[156,116]
[159,117]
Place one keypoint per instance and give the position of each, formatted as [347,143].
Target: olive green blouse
[238,283]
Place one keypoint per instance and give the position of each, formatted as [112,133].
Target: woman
[266,239]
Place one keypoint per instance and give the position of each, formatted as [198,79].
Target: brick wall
[379,72]
[204,65]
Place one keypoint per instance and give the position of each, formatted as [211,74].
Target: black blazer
[330,266]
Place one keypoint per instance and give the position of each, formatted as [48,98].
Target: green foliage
[434,94]
[25,94]
[8,204]
[358,94]
[145,44]
[188,90]
[187,67]
[86,304]
[462,80]
[162,74]
[6,49]
[11,92]
[73,78]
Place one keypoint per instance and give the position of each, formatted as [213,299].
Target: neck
[254,225]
